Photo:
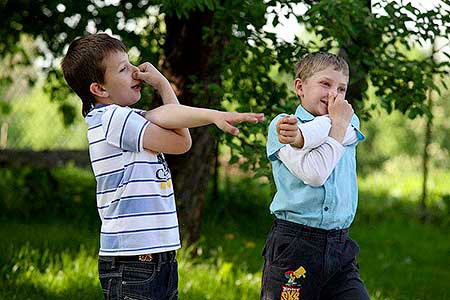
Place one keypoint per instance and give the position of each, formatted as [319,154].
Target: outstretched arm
[174,116]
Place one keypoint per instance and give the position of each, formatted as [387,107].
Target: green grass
[400,258]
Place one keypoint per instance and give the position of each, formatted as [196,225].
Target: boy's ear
[298,85]
[98,90]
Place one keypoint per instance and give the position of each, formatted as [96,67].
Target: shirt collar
[100,105]
[303,114]
[306,116]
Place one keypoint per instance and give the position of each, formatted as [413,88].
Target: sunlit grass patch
[215,278]
[37,273]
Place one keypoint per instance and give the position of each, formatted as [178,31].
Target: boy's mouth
[137,87]
[324,102]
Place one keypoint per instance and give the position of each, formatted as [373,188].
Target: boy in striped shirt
[135,198]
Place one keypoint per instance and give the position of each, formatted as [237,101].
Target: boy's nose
[134,69]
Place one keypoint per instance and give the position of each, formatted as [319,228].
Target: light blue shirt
[330,206]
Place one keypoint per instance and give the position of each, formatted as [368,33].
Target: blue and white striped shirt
[135,198]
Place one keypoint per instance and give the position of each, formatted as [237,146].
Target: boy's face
[119,86]
[315,90]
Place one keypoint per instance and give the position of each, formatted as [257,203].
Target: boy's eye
[342,90]
[324,83]
[123,69]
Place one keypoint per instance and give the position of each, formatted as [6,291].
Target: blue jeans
[128,278]
[305,263]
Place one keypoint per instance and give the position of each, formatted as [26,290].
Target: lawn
[401,258]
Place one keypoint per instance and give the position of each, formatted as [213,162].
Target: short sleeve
[124,128]
[273,145]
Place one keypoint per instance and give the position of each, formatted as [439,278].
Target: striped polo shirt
[135,198]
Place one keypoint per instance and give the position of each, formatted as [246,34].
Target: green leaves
[248,69]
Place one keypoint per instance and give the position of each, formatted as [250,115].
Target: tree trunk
[426,156]
[189,55]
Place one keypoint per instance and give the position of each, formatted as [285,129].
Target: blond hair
[319,61]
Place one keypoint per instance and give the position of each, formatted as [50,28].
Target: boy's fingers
[138,75]
[248,117]
[290,120]
[288,127]
[331,98]
[340,97]
[227,127]
[287,134]
[145,67]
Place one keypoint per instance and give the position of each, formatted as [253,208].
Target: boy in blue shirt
[308,253]
[135,198]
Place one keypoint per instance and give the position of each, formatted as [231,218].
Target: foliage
[62,193]
[394,141]
[245,53]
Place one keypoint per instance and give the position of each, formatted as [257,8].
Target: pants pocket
[281,246]
[110,280]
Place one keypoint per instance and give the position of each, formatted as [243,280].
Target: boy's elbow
[184,145]
[187,144]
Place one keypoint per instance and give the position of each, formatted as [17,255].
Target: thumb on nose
[137,75]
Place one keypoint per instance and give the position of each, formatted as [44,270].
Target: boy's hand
[150,75]
[341,113]
[340,110]
[226,120]
[288,131]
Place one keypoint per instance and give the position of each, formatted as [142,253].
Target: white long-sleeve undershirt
[320,154]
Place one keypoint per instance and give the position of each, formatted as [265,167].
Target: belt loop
[158,259]
[113,262]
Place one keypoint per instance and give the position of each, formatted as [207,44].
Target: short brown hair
[84,64]
[319,61]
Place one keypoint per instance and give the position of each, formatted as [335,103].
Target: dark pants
[307,263]
[129,278]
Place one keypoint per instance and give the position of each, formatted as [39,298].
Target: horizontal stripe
[140,249]
[110,172]
[97,141]
[143,162]
[95,126]
[140,215]
[150,195]
[135,206]
[131,181]
[139,230]
[107,157]
[111,182]
[136,197]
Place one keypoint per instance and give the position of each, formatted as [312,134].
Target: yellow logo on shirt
[166,184]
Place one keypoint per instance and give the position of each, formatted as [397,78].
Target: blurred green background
[49,225]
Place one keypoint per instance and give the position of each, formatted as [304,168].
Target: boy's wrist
[299,140]
[214,116]
[338,122]
[338,130]
[162,85]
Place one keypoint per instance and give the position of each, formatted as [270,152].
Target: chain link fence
[31,120]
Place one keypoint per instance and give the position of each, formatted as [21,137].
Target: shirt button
[326,208]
